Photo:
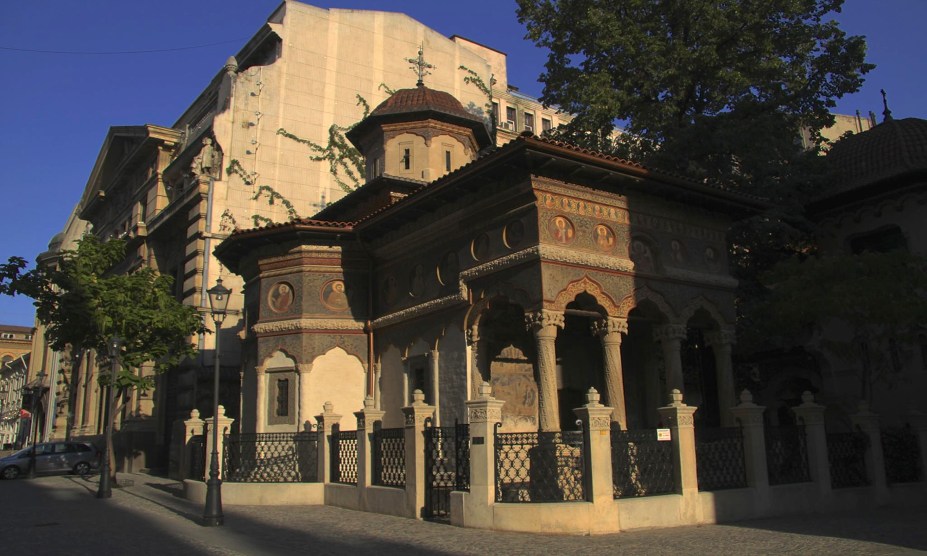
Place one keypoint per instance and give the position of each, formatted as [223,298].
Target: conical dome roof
[889,150]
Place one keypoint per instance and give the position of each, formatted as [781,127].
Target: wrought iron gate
[447,467]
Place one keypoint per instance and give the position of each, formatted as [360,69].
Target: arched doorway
[579,357]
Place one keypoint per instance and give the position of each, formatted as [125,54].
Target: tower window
[283,397]
[447,160]
[406,161]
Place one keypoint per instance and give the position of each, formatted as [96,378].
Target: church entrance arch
[644,366]
[699,369]
[507,360]
[579,357]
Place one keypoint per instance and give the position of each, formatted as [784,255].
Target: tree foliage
[83,303]
[865,307]
[717,90]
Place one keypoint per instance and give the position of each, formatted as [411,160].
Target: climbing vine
[473,78]
[272,197]
[235,168]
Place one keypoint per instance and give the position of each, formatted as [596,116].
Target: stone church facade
[538,267]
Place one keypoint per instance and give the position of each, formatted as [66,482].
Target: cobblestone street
[58,515]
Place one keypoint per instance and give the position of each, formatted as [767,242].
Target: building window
[529,122]
[283,397]
[884,240]
[510,117]
[545,124]
[447,160]
[406,162]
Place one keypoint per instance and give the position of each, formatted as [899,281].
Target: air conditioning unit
[509,125]
[529,128]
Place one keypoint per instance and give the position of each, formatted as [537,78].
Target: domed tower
[419,134]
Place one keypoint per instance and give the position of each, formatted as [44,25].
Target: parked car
[52,457]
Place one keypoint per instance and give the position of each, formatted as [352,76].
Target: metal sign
[663,435]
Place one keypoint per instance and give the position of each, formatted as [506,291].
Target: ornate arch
[506,290]
[644,293]
[587,285]
[701,303]
[263,365]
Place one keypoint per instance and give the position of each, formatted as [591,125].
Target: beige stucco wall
[339,378]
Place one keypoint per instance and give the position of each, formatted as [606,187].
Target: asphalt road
[60,515]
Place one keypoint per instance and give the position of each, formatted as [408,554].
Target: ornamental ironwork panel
[787,455]
[719,454]
[539,467]
[641,465]
[271,458]
[902,455]
[447,467]
[344,457]
[389,457]
[198,457]
[846,453]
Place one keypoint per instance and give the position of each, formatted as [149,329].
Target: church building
[540,267]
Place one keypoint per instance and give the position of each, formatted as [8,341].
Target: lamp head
[218,297]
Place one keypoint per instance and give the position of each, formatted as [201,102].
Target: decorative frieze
[292,325]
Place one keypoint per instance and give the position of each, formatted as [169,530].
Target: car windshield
[22,453]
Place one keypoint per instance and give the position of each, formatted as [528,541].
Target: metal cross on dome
[420,66]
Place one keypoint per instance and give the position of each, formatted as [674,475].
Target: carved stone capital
[543,319]
[669,332]
[610,326]
[723,337]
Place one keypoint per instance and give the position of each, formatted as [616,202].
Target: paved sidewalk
[58,515]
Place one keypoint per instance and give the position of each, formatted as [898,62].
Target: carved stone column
[670,337]
[305,412]
[544,324]
[610,331]
[435,381]
[678,417]
[194,426]
[750,416]
[367,420]
[811,415]
[224,425]
[722,342]
[473,367]
[260,401]
[482,413]
[596,420]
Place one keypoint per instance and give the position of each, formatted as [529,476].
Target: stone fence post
[415,416]
[679,418]
[599,485]
[482,413]
[750,417]
[868,422]
[224,426]
[326,421]
[368,419]
[812,415]
[194,426]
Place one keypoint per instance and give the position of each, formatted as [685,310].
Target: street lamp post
[105,489]
[212,512]
[36,393]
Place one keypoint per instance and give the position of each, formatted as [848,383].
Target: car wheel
[82,468]
[10,472]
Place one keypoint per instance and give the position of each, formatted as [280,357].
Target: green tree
[83,303]
[716,90]
[861,309]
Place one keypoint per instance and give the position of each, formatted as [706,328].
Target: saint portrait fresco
[417,281]
[604,237]
[448,269]
[513,233]
[642,255]
[561,229]
[280,297]
[479,247]
[334,297]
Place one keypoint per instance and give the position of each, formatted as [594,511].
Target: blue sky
[55,109]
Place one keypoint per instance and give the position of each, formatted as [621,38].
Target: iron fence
[902,455]
[539,467]
[846,453]
[344,457]
[641,464]
[787,455]
[271,458]
[389,457]
[447,467]
[719,454]
[198,457]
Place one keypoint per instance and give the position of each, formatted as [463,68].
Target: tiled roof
[422,99]
[888,150]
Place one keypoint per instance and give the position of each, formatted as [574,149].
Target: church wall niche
[338,377]
[393,386]
[280,394]
[452,374]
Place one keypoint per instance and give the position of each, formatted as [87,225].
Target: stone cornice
[292,325]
